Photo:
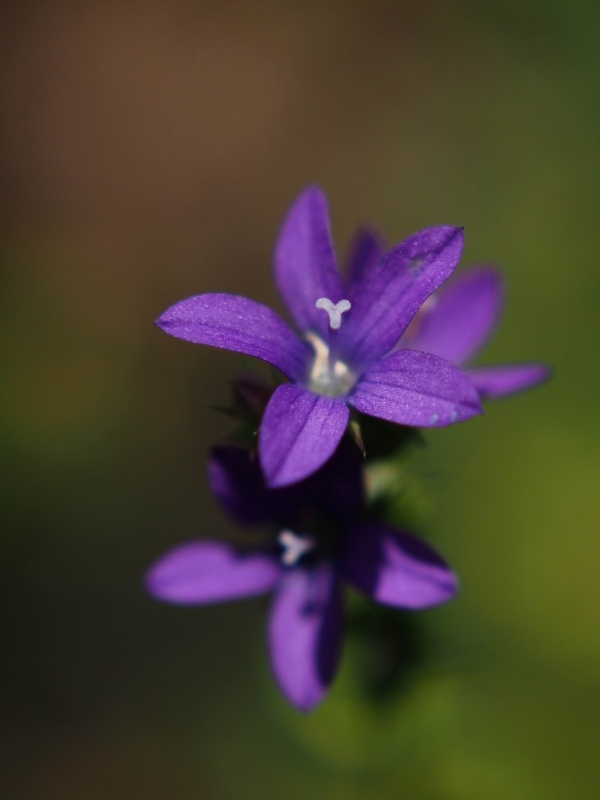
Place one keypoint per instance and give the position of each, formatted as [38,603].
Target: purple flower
[317,544]
[456,321]
[348,334]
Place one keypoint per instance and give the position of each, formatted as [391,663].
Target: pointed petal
[461,318]
[365,252]
[238,324]
[251,393]
[418,389]
[305,632]
[210,572]
[299,432]
[506,379]
[237,482]
[392,293]
[305,263]
[397,569]
[338,486]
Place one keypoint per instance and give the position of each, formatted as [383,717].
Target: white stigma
[294,547]
[335,310]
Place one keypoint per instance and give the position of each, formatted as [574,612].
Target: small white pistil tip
[294,547]
[335,310]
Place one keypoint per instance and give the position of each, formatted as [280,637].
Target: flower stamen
[327,378]
[334,310]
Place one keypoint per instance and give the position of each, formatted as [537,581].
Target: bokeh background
[148,151]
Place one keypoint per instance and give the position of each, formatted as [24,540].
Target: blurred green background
[148,151]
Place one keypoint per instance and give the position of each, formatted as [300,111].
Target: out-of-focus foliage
[147,153]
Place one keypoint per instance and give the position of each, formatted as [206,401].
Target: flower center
[327,378]
[294,547]
[329,375]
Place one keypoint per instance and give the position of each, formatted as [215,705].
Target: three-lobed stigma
[294,547]
[334,310]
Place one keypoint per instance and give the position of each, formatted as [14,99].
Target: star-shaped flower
[317,544]
[456,322]
[344,356]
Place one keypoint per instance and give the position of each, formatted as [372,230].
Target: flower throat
[329,375]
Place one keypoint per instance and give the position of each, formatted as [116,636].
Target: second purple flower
[322,540]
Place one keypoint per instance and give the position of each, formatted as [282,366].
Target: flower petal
[305,263]
[238,324]
[365,252]
[299,432]
[338,487]
[418,389]
[462,317]
[210,572]
[305,632]
[506,379]
[251,393]
[397,569]
[392,293]
[237,482]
